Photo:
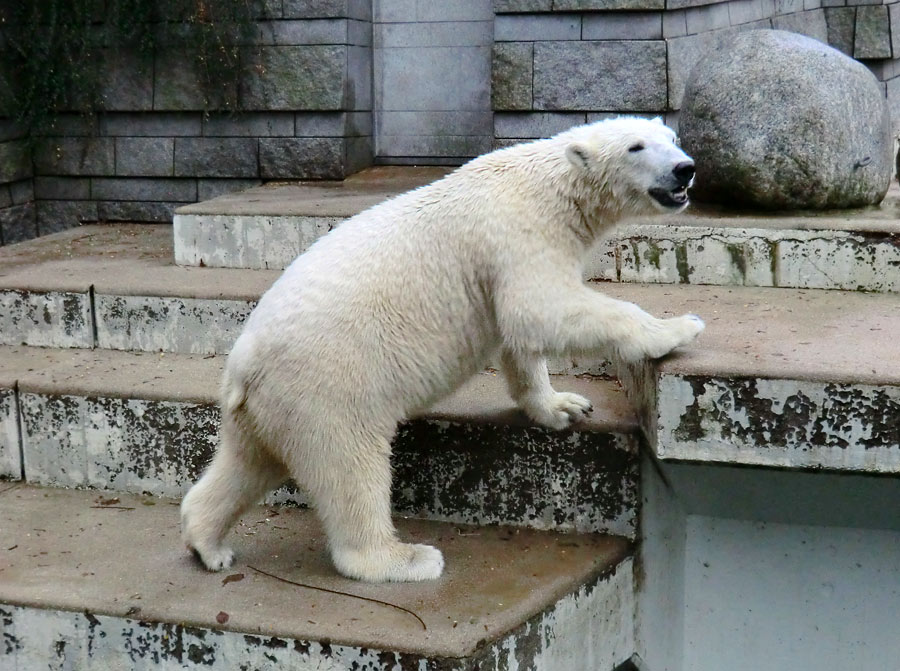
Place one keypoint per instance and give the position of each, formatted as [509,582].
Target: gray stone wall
[432,63]
[17,219]
[557,63]
[303,111]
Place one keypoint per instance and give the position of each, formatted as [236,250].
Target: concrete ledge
[776,422]
[146,423]
[268,227]
[50,319]
[257,242]
[859,252]
[788,379]
[542,599]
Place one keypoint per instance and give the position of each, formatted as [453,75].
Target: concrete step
[267,227]
[147,423]
[854,250]
[784,378]
[90,582]
[115,287]
[781,377]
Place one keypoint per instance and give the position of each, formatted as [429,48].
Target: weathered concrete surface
[321,198]
[148,424]
[852,253]
[122,260]
[113,586]
[141,301]
[49,319]
[116,287]
[10,455]
[186,325]
[800,379]
[269,226]
[582,481]
[246,241]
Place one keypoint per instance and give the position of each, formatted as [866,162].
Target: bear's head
[636,161]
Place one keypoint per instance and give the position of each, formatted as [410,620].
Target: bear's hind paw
[218,559]
[400,563]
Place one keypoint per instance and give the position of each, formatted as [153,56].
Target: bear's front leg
[529,385]
[569,317]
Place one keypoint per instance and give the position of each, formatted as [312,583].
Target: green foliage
[56,55]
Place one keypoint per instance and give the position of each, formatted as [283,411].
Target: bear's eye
[636,147]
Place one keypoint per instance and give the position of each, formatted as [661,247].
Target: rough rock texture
[781,121]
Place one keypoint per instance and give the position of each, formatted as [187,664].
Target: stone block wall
[557,63]
[303,111]
[432,64]
[17,217]
[870,32]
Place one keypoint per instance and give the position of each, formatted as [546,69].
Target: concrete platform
[93,580]
[267,227]
[147,423]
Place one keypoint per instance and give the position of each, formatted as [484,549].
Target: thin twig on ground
[339,593]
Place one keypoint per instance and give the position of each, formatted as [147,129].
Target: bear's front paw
[675,332]
[558,411]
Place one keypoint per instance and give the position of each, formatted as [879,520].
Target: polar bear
[402,303]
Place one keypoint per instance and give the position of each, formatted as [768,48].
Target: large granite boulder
[777,120]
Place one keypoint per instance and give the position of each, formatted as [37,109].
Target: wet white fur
[401,304]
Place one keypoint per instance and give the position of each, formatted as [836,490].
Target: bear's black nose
[684,172]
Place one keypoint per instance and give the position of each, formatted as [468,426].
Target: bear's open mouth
[674,198]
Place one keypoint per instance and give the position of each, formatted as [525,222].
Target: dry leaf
[234,577]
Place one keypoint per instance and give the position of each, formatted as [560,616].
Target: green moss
[57,55]
[773,261]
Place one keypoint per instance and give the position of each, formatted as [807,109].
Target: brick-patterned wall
[557,63]
[432,63]
[304,111]
[17,219]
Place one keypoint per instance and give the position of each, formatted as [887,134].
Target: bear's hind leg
[240,474]
[350,485]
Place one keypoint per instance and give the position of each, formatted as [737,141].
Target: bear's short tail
[235,380]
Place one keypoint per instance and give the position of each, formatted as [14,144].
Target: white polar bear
[402,303]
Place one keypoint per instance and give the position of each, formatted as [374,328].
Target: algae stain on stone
[681,263]
[738,259]
[652,254]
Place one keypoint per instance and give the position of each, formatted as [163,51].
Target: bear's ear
[659,120]
[577,154]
